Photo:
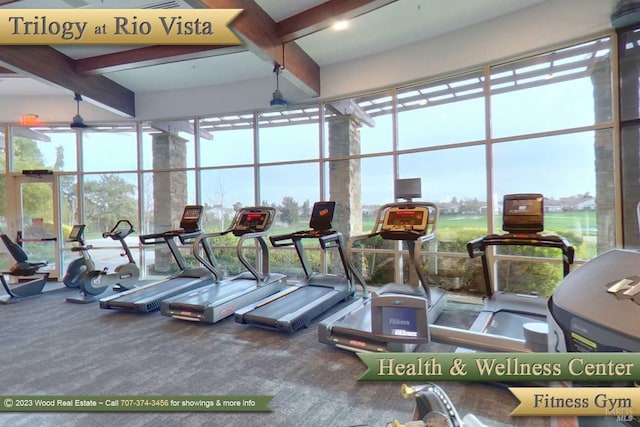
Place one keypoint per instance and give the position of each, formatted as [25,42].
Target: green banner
[126,403]
[501,367]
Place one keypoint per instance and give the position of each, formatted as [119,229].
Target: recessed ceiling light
[340,25]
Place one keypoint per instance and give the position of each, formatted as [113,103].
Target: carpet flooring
[51,347]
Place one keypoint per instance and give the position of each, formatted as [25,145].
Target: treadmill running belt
[210,294]
[271,312]
[510,324]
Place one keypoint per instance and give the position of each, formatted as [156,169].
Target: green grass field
[580,228]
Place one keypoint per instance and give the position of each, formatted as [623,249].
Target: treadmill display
[415,219]
[191,218]
[523,213]
[253,221]
[399,322]
[322,215]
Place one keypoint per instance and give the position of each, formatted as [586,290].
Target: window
[286,135]
[226,140]
[562,89]
[224,192]
[442,112]
[109,148]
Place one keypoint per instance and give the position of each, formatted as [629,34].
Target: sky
[556,166]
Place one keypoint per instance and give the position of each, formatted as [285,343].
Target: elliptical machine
[94,282]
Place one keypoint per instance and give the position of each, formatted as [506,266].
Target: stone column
[630,146]
[169,190]
[604,162]
[345,177]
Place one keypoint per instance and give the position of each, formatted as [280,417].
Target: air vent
[163,5]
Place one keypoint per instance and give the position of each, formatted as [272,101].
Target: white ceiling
[398,24]
[372,33]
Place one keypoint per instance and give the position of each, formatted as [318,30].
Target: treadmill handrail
[207,263]
[477,248]
[258,235]
[354,271]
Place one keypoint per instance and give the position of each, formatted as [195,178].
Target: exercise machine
[521,316]
[395,317]
[434,408]
[31,280]
[594,309]
[148,297]
[77,268]
[95,282]
[219,300]
[295,306]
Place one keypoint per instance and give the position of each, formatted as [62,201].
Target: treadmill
[219,300]
[396,317]
[519,316]
[295,306]
[594,309]
[147,298]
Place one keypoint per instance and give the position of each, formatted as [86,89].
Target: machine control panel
[191,218]
[404,219]
[253,221]
[523,213]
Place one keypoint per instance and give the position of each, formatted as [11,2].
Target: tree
[108,200]
[289,210]
[305,211]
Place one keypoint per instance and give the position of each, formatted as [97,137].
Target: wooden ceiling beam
[148,56]
[323,16]
[46,63]
[257,30]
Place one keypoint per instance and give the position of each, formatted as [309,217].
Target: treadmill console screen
[397,219]
[191,218]
[399,322]
[322,215]
[399,318]
[255,221]
[523,213]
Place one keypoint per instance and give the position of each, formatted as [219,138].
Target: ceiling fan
[78,122]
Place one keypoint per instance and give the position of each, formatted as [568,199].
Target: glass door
[33,220]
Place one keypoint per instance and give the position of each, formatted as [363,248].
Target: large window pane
[454,180]
[226,140]
[359,125]
[289,135]
[441,112]
[60,150]
[43,148]
[574,173]
[562,89]
[68,201]
[169,145]
[224,192]
[107,199]
[110,148]
[292,190]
